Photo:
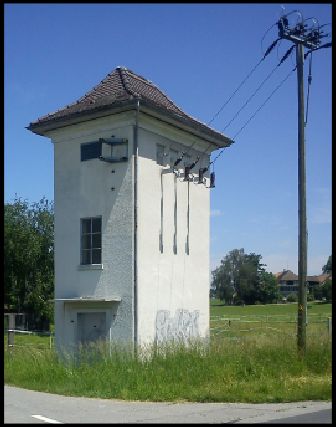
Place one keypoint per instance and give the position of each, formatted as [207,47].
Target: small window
[160,154]
[91,150]
[91,241]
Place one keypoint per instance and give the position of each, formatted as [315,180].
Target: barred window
[173,156]
[160,154]
[91,247]
[91,150]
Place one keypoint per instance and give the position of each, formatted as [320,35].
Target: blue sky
[197,54]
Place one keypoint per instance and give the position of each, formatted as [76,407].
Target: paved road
[319,417]
[31,407]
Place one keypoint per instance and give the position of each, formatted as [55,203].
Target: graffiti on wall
[182,326]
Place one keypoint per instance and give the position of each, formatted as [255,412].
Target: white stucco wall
[173,289]
[83,189]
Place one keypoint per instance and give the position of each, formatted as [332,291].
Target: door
[91,327]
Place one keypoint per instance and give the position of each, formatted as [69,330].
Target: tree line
[29,258]
[242,279]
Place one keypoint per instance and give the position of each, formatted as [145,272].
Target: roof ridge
[123,82]
[152,84]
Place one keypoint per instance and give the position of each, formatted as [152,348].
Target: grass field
[256,366]
[266,320]
[314,308]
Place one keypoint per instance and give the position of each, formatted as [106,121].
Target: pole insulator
[212,179]
[201,172]
[186,173]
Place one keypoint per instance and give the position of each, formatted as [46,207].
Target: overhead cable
[309,84]
[267,99]
[260,86]
[268,51]
[261,42]
[323,46]
[256,112]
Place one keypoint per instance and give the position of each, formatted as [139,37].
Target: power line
[267,99]
[260,86]
[256,112]
[241,84]
[309,84]
[261,42]
[268,51]
[284,22]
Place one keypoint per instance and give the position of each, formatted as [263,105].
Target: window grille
[91,238]
[91,150]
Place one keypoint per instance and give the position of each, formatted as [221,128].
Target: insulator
[282,24]
[201,172]
[194,164]
[186,173]
[212,179]
[179,160]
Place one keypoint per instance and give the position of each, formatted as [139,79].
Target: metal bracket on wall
[113,159]
[114,142]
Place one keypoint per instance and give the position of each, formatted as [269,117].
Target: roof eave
[189,125]
[45,126]
[186,124]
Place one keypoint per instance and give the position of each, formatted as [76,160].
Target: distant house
[315,281]
[288,282]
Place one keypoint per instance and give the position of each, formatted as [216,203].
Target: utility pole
[311,39]
[302,236]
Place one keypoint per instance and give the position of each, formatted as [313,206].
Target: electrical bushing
[212,179]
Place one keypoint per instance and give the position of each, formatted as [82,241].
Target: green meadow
[246,361]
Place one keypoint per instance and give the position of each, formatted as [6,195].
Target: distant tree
[242,278]
[292,297]
[226,276]
[318,292]
[221,283]
[29,256]
[326,290]
[327,269]
[248,287]
[268,288]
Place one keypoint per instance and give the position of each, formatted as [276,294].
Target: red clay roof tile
[122,85]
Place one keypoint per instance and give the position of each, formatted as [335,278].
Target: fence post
[330,325]
[11,327]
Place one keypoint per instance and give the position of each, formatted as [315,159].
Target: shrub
[292,297]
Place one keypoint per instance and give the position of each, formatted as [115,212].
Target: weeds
[261,369]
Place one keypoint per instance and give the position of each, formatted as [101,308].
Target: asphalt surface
[319,417]
[31,407]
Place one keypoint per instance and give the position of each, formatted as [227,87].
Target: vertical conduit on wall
[161,224]
[188,217]
[175,215]
[135,201]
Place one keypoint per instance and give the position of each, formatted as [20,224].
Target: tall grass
[259,369]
